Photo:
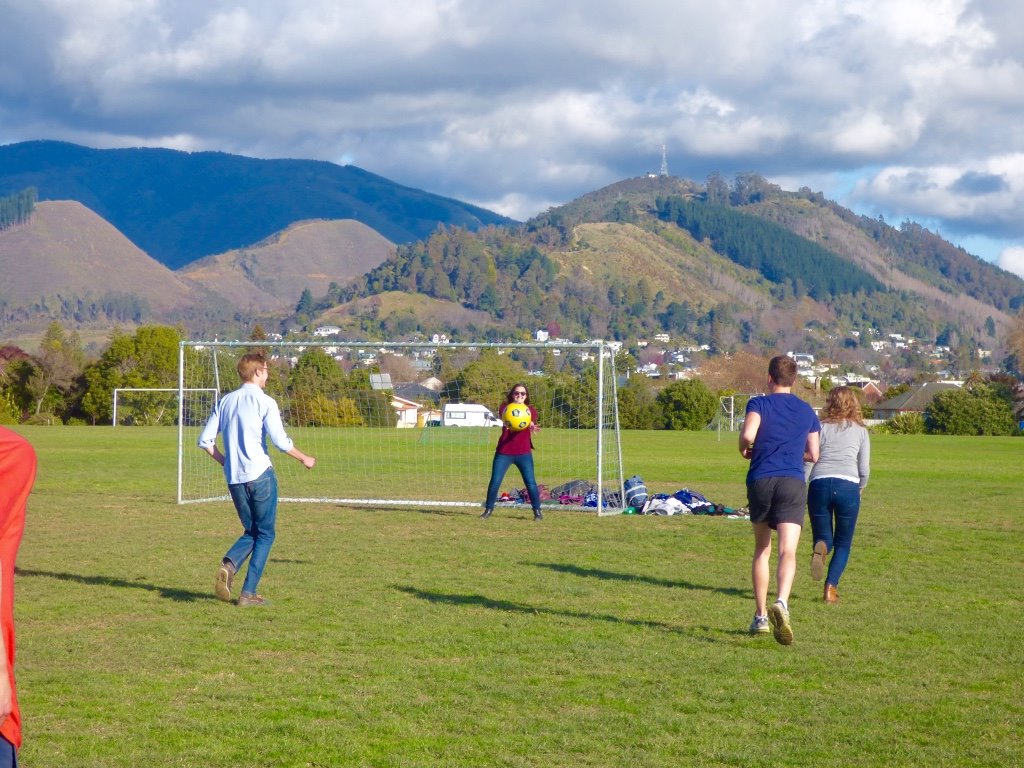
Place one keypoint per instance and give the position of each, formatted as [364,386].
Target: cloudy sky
[912,109]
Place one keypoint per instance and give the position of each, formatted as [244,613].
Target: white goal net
[148,406]
[413,424]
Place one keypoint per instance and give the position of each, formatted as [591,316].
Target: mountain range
[181,206]
[745,263]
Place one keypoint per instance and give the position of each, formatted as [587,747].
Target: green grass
[431,638]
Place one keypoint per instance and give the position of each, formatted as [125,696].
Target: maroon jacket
[517,443]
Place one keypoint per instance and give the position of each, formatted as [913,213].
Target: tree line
[59,385]
[17,208]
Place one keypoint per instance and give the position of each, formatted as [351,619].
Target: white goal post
[374,415]
[731,410]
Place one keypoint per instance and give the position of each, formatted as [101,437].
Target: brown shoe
[250,601]
[818,560]
[222,585]
[831,596]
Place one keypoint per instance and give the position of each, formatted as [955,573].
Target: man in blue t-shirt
[780,432]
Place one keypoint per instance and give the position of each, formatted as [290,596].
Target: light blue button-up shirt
[245,418]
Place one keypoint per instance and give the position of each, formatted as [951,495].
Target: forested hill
[180,206]
[715,263]
[768,248]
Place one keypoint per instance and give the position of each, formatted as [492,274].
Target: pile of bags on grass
[638,501]
[682,502]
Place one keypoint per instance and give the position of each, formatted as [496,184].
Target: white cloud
[912,106]
[985,195]
[1012,260]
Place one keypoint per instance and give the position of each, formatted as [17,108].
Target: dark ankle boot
[487,513]
[537,515]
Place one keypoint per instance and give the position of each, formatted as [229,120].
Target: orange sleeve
[17,475]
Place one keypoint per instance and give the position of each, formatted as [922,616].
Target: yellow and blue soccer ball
[516,417]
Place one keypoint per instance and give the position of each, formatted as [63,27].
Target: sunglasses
[518,393]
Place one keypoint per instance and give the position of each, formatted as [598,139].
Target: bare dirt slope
[271,275]
[67,250]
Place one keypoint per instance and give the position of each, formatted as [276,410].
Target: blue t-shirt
[786,420]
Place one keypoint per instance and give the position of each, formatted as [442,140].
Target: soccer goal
[413,424]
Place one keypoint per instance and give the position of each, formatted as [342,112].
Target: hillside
[179,206]
[68,261]
[760,267]
[403,313]
[886,253]
[270,276]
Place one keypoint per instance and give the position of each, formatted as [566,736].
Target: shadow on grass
[510,607]
[178,595]
[597,573]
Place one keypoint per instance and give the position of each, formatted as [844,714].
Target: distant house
[327,330]
[912,401]
[418,393]
[870,390]
[406,411]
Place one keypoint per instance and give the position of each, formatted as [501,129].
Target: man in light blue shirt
[245,418]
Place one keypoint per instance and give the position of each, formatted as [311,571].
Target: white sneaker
[778,615]
[759,626]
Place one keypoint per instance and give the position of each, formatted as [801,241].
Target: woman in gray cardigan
[836,482]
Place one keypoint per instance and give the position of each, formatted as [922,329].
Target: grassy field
[415,638]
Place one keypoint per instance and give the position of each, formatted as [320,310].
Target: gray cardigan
[845,453]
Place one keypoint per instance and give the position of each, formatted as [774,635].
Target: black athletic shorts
[775,500]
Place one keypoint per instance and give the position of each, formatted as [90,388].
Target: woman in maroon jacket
[515,448]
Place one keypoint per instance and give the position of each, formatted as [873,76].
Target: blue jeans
[8,754]
[256,503]
[833,506]
[502,461]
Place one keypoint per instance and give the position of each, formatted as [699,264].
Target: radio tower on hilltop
[664,161]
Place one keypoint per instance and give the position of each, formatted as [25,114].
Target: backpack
[636,492]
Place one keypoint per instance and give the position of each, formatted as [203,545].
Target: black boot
[537,515]
[487,513]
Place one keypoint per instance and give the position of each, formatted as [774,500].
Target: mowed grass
[433,638]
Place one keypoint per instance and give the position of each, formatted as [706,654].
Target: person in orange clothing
[17,474]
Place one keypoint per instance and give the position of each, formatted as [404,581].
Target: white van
[468,415]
